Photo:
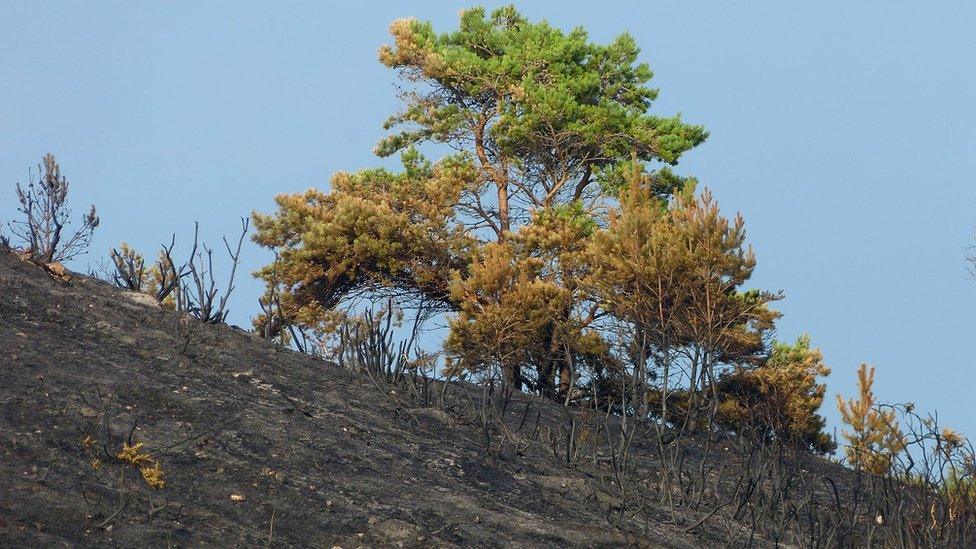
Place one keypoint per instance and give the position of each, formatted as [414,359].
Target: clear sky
[844,132]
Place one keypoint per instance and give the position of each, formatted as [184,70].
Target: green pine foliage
[570,257]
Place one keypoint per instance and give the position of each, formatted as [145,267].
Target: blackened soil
[258,446]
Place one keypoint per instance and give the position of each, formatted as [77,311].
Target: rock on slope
[257,446]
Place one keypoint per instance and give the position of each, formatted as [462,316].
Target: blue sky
[844,132]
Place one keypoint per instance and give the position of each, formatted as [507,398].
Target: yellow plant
[875,437]
[150,468]
[782,395]
[133,455]
[154,475]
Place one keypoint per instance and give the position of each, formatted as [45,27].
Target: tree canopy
[569,256]
[542,114]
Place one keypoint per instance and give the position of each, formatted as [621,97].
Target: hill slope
[313,455]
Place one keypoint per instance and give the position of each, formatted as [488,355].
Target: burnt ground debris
[263,446]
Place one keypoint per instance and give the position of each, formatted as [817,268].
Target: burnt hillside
[313,455]
[124,424]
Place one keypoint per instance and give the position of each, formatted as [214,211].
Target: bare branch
[43,204]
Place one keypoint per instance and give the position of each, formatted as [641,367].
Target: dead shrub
[44,206]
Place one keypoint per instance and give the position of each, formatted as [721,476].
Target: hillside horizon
[727,262]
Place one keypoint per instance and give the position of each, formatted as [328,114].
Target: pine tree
[874,438]
[543,123]
[781,397]
[672,273]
